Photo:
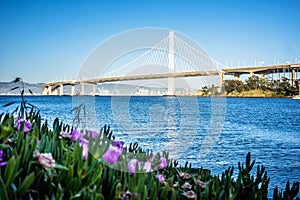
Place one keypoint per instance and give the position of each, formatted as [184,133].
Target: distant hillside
[5,88]
[106,88]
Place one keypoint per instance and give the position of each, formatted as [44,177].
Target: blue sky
[43,40]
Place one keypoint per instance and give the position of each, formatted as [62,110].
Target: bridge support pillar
[251,74]
[171,80]
[72,90]
[222,78]
[236,77]
[262,76]
[61,90]
[293,77]
[45,91]
[94,89]
[82,89]
[53,91]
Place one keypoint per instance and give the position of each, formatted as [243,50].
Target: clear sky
[44,40]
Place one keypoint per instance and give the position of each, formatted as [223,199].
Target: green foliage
[280,88]
[289,193]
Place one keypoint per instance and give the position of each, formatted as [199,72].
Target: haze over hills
[102,89]
[6,88]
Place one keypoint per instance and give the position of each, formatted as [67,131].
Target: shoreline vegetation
[254,87]
[71,162]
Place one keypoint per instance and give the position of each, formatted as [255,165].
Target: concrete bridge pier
[171,80]
[82,89]
[45,90]
[72,90]
[222,78]
[54,91]
[293,77]
[94,89]
[236,77]
[49,91]
[61,90]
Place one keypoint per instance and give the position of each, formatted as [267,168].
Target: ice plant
[85,148]
[160,177]
[147,166]
[1,155]
[92,134]
[45,159]
[112,154]
[186,185]
[119,144]
[190,195]
[76,135]
[152,156]
[19,121]
[132,165]
[163,163]
[184,175]
[201,183]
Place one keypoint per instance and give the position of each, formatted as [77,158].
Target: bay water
[213,133]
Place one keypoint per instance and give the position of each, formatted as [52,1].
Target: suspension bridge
[172,57]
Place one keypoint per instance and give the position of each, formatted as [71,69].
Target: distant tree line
[281,87]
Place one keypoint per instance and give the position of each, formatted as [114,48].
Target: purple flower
[19,121]
[163,163]
[153,156]
[2,163]
[132,165]
[92,134]
[186,185]
[112,154]
[119,144]
[201,183]
[147,166]
[190,195]
[85,148]
[160,177]
[1,154]
[184,175]
[76,135]
[45,159]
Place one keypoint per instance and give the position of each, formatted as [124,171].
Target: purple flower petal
[1,155]
[119,144]
[147,166]
[132,165]
[45,159]
[19,121]
[76,135]
[112,154]
[160,177]
[2,164]
[85,151]
[92,134]
[27,126]
[85,148]
[153,156]
[163,163]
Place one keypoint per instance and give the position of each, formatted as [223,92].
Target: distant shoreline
[166,96]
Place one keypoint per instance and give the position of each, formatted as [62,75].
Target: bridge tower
[171,81]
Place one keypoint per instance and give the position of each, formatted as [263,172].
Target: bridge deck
[262,69]
[244,70]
